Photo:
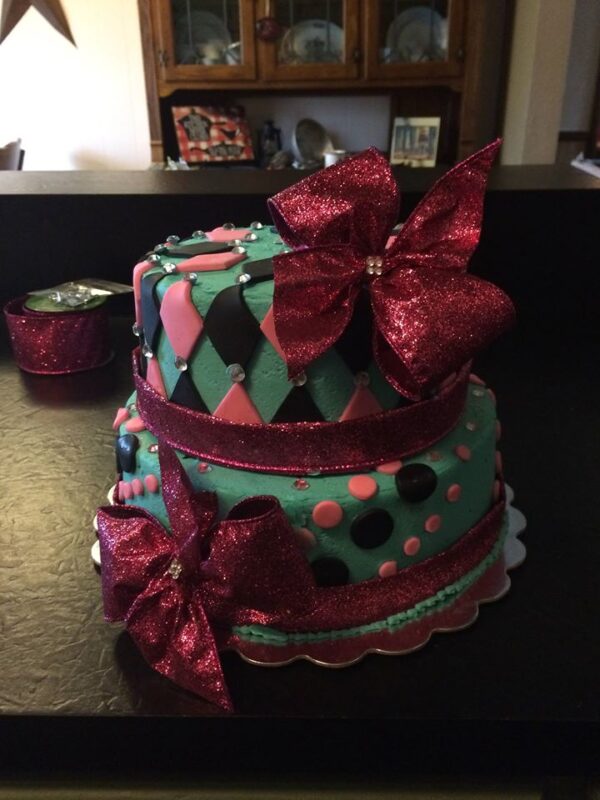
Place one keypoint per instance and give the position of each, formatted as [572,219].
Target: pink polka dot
[434,455]
[327,514]
[135,424]
[476,379]
[305,538]
[498,460]
[498,430]
[121,416]
[391,468]
[463,452]
[363,487]
[387,569]
[433,523]
[412,546]
[496,491]
[151,482]
[137,486]
[125,491]
[453,493]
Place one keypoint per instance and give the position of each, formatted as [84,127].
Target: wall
[582,71]
[78,107]
[536,80]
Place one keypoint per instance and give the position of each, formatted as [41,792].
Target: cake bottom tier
[352,527]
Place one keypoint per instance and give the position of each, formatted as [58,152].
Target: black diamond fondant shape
[197,249]
[186,394]
[151,322]
[259,270]
[231,327]
[125,449]
[330,571]
[371,528]
[298,406]
[354,345]
[415,482]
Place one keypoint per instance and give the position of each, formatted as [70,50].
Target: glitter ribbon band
[299,448]
[57,343]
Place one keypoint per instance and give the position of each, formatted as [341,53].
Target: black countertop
[516,693]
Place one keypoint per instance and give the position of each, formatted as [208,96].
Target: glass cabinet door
[412,37]
[319,39]
[207,40]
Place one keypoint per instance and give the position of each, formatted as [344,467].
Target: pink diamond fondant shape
[182,322]
[268,328]
[138,273]
[237,406]
[226,234]
[362,403]
[154,377]
[210,262]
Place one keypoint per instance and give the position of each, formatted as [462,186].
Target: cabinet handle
[357,55]
[460,54]
[163,58]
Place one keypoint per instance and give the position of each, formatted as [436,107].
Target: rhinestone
[299,379]
[181,364]
[137,329]
[191,277]
[256,225]
[161,249]
[228,226]
[478,392]
[236,373]
[250,237]
[314,473]
[169,268]
[239,250]
[243,278]
[173,239]
[471,426]
[374,265]
[175,568]
[153,448]
[154,258]
[147,351]
[204,467]
[131,407]
[198,235]
[362,379]
[300,483]
[234,243]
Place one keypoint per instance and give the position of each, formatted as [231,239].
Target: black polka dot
[415,482]
[330,572]
[126,448]
[371,528]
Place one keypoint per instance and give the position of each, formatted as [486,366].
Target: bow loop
[354,202]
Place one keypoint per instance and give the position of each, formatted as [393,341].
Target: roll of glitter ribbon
[58,343]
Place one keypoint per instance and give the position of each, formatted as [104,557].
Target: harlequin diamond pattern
[231,334]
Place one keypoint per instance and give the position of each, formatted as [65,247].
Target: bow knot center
[374,266]
[175,569]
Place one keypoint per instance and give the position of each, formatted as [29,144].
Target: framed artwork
[415,141]
[212,134]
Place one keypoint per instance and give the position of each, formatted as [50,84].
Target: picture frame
[212,134]
[415,141]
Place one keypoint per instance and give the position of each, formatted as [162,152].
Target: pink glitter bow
[429,316]
[176,593]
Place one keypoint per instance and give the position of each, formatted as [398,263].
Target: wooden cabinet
[432,57]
